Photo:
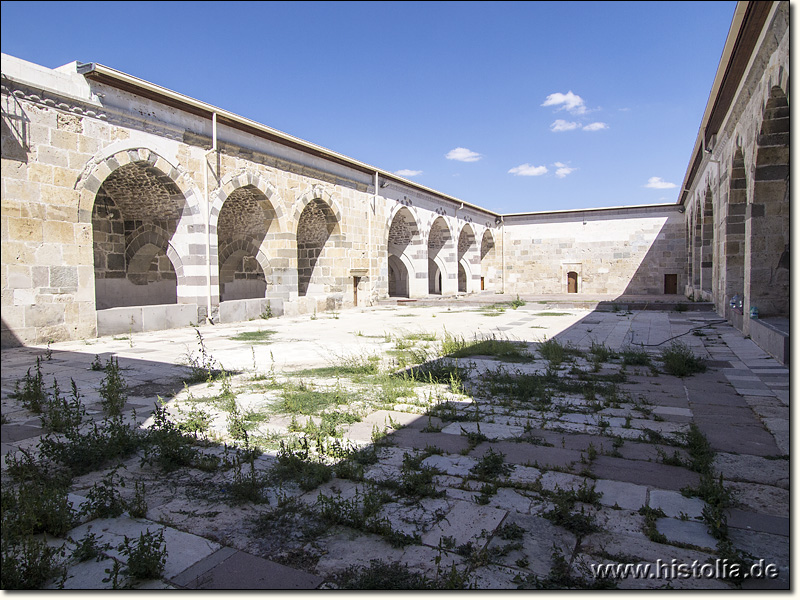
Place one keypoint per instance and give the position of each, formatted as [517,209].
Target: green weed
[680,361]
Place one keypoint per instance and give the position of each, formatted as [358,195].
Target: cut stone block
[242,571]
[686,532]
[675,504]
[457,466]
[621,494]
[465,523]
[494,431]
[183,549]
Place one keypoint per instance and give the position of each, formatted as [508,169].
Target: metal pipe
[207,215]
[370,279]
[503,255]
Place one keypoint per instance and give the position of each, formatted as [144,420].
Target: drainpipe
[503,255]
[369,240]
[208,216]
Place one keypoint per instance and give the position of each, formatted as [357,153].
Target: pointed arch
[767,215]
[707,239]
[142,209]
[318,236]
[244,179]
[403,244]
[733,228]
[442,251]
[468,257]
[316,193]
[490,266]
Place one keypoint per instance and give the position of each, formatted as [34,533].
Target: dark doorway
[572,282]
[671,283]
[483,284]
[356,281]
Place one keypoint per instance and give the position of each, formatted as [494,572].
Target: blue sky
[517,107]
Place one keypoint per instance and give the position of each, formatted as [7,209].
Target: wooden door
[572,282]
[671,283]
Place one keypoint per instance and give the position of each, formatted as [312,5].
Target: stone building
[736,189]
[129,207]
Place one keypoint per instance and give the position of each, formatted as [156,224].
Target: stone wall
[619,251]
[738,202]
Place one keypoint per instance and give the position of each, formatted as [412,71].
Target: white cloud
[463,155]
[407,173]
[562,125]
[595,126]
[528,170]
[659,184]
[563,170]
[570,102]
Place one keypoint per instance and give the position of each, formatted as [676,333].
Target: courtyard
[491,444]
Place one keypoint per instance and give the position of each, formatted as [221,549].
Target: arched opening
[489,267]
[462,278]
[402,239]
[697,227]
[315,265]
[244,221]
[434,278]
[440,253]
[134,217]
[468,257]
[240,275]
[767,231]
[734,227]
[689,259]
[572,282]
[398,278]
[707,244]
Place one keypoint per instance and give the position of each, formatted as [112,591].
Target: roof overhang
[748,22]
[139,87]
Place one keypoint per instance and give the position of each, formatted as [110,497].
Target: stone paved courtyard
[305,463]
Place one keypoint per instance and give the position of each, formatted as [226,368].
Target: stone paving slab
[490,430]
[764,499]
[11,433]
[465,523]
[621,494]
[538,542]
[773,549]
[745,439]
[190,577]
[676,505]
[242,571]
[89,575]
[413,439]
[183,549]
[755,469]
[686,532]
[644,473]
[528,454]
[752,521]
[456,466]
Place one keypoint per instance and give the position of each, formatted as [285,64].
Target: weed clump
[294,464]
[491,466]
[113,389]
[82,453]
[380,575]
[33,394]
[61,415]
[556,353]
[147,556]
[635,357]
[680,361]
